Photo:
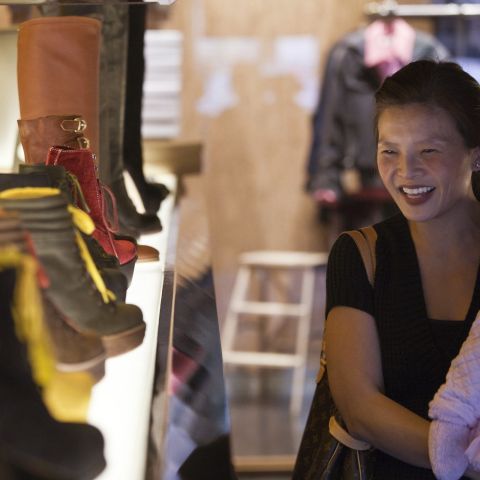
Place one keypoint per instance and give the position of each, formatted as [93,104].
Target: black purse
[327,451]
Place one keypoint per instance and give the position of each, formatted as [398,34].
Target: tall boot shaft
[151,194]
[58,69]
[39,134]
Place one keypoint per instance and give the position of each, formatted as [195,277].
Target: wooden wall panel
[255,150]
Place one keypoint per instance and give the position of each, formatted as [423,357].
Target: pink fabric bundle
[388,45]
[454,437]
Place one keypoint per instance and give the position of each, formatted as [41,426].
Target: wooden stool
[239,304]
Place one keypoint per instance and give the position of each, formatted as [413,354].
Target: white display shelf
[121,402]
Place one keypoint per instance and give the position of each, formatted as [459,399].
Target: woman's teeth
[416,190]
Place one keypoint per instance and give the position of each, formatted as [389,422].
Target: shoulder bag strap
[365,239]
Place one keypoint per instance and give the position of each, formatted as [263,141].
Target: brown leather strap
[341,435]
[365,239]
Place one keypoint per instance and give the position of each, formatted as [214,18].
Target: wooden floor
[265,436]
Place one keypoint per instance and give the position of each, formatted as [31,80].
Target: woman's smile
[416,194]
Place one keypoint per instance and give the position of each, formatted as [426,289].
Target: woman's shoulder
[392,226]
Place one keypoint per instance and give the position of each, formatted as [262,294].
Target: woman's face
[423,161]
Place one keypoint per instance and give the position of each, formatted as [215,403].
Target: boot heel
[123,342]
[127,270]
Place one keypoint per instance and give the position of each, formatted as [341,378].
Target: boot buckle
[83,142]
[77,125]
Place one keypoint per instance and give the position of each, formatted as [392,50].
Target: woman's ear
[476,159]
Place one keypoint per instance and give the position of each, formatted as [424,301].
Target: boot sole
[94,366]
[147,254]
[123,342]
[127,269]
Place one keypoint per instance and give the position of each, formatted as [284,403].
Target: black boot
[112,114]
[30,439]
[128,217]
[152,194]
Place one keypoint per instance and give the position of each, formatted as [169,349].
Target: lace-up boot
[76,288]
[73,351]
[40,176]
[81,163]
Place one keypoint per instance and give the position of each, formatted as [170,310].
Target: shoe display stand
[157,422]
[120,405]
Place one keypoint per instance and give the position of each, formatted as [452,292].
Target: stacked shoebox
[162,87]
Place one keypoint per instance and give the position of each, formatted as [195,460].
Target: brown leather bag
[327,451]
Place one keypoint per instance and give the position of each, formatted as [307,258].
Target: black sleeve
[347,281]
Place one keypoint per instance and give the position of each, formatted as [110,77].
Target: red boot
[81,163]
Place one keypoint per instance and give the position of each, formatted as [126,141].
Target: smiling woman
[389,345]
[423,161]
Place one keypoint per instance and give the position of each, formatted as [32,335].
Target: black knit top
[415,351]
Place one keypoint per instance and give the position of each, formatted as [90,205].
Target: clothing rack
[391,8]
[458,11]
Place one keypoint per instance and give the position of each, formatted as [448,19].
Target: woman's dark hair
[441,84]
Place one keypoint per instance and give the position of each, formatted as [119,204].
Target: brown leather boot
[58,69]
[76,288]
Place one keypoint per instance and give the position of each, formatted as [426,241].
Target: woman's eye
[429,150]
[388,152]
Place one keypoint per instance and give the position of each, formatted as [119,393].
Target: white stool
[239,304]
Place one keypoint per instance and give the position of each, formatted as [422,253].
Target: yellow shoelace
[85,224]
[28,192]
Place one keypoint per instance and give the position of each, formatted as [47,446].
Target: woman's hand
[356,381]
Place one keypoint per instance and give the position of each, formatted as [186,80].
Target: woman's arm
[356,382]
